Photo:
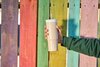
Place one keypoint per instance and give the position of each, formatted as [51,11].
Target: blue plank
[73,30]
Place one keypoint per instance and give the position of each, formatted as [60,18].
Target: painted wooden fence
[33,48]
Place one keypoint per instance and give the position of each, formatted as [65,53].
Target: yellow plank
[58,10]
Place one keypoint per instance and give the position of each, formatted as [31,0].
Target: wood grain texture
[28,22]
[73,30]
[89,21]
[9,32]
[58,10]
[43,14]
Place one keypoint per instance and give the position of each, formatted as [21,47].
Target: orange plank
[28,14]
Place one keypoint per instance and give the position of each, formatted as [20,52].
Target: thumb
[59,30]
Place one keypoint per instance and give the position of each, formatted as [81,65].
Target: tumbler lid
[51,20]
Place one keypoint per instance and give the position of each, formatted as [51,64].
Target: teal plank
[43,14]
[73,30]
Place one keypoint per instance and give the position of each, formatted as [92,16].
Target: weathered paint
[89,21]
[73,30]
[43,14]
[28,21]
[58,10]
[9,33]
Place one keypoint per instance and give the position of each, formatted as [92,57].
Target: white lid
[51,20]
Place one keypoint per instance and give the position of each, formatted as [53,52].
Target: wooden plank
[1,0]
[28,21]
[73,30]
[58,10]
[98,32]
[99,1]
[43,14]
[89,21]
[9,32]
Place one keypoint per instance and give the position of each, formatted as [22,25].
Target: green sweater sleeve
[88,46]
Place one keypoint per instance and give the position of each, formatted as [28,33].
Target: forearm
[88,46]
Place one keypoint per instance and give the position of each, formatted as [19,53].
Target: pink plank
[89,19]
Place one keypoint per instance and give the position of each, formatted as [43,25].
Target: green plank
[43,14]
[73,30]
[9,30]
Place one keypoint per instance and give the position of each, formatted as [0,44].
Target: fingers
[59,30]
[46,32]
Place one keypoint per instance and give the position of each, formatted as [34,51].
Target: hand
[59,33]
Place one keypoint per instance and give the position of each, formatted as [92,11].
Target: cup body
[53,34]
